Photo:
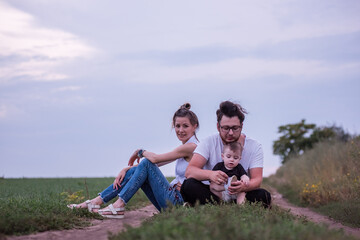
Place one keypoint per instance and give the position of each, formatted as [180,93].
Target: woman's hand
[134,157]
[178,186]
[218,177]
[120,178]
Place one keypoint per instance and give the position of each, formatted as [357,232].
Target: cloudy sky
[85,83]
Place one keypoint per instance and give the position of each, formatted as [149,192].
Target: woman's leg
[149,177]
[107,194]
[110,192]
[150,195]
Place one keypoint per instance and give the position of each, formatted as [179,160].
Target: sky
[83,84]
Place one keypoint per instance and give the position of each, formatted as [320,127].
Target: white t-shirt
[181,165]
[211,147]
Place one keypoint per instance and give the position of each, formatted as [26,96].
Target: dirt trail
[99,228]
[278,200]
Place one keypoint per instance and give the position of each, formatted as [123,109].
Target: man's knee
[259,195]
[188,185]
[266,196]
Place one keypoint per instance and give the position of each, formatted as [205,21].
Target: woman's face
[183,128]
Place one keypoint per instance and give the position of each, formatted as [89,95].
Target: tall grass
[326,175]
[32,205]
[228,222]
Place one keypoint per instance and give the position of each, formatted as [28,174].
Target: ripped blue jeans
[150,179]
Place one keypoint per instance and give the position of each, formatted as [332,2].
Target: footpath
[277,199]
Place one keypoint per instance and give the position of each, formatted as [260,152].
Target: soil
[99,229]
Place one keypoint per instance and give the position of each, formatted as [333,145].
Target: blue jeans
[149,178]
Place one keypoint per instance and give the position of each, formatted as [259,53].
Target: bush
[324,175]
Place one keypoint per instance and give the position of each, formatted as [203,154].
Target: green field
[33,205]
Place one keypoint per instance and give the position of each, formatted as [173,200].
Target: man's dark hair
[230,109]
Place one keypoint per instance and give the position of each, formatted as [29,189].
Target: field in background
[325,178]
[35,205]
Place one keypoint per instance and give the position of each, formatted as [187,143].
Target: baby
[231,156]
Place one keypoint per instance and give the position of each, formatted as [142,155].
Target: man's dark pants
[193,190]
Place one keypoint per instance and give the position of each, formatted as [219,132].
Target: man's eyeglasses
[226,129]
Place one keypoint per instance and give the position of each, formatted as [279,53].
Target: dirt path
[278,200]
[99,228]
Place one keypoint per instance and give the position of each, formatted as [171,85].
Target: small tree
[294,140]
[298,137]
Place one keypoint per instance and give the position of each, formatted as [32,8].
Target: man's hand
[238,186]
[218,177]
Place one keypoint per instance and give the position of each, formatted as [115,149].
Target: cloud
[239,24]
[3,111]
[68,88]
[236,69]
[34,52]
[7,110]
[34,69]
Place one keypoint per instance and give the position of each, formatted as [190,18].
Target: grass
[228,222]
[36,205]
[326,179]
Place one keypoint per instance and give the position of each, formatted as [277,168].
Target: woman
[147,176]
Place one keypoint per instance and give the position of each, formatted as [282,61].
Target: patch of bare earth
[98,230]
[278,200]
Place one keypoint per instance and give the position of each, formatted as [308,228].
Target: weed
[73,197]
[33,205]
[324,175]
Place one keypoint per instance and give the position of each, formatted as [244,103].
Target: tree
[293,141]
[297,138]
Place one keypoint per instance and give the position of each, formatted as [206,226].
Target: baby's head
[231,154]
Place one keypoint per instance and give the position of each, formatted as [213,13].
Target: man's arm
[194,170]
[256,176]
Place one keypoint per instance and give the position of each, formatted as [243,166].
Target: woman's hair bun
[186,106]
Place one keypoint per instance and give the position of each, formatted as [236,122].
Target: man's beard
[235,139]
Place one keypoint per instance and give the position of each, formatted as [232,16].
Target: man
[230,118]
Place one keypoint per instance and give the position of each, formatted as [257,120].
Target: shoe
[89,205]
[186,204]
[114,212]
